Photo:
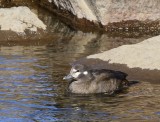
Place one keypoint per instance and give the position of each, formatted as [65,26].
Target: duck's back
[109,74]
[109,80]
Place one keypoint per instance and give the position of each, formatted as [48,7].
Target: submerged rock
[19,19]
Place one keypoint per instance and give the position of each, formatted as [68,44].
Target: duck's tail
[126,82]
[129,83]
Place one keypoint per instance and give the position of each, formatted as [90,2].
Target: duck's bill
[68,77]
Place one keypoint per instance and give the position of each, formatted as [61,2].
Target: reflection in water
[32,90]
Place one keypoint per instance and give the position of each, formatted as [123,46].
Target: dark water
[32,89]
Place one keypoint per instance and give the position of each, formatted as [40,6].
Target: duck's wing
[120,75]
[109,80]
[108,74]
[102,74]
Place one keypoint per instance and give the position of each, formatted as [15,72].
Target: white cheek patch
[75,75]
[85,72]
[73,70]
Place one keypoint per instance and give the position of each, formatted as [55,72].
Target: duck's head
[78,71]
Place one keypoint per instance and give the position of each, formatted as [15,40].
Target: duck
[83,80]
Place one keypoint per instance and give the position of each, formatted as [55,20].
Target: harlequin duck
[85,81]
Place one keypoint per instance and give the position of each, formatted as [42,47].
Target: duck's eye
[77,71]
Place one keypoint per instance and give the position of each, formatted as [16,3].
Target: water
[32,89]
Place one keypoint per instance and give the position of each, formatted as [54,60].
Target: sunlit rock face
[19,19]
[80,8]
[105,12]
[144,55]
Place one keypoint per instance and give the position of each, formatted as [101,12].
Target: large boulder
[136,13]
[19,19]
[106,11]
[144,55]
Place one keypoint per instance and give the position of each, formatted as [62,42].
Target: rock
[144,55]
[104,12]
[18,19]
[79,8]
